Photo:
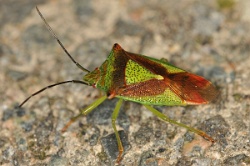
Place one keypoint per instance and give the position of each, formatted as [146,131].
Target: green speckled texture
[105,82]
[169,67]
[103,78]
[136,73]
[168,98]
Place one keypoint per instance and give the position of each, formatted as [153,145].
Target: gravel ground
[210,38]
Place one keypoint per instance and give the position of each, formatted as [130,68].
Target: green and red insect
[141,79]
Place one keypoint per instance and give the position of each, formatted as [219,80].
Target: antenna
[59,42]
[50,86]
[64,49]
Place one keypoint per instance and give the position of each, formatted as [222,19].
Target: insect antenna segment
[60,43]
[68,54]
[50,86]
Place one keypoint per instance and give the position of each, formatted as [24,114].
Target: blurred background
[209,38]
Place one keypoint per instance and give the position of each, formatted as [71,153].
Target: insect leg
[167,119]
[114,117]
[85,111]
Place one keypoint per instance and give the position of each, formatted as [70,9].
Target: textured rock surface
[210,38]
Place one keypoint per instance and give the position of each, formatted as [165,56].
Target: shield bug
[138,78]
